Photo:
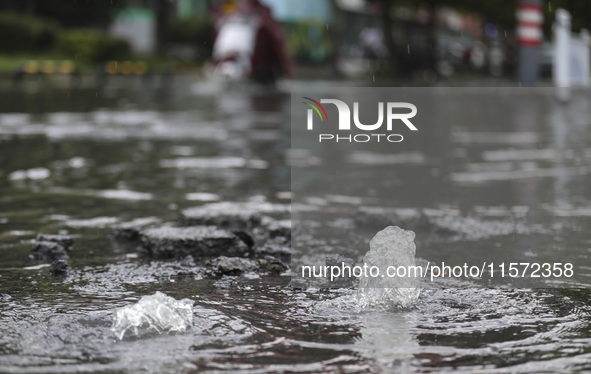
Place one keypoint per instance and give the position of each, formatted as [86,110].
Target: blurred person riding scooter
[249,43]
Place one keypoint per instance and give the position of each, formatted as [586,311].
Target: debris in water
[272,265]
[227,215]
[47,247]
[223,265]
[392,248]
[48,251]
[59,268]
[154,314]
[65,241]
[130,231]
[197,241]
[277,247]
[233,265]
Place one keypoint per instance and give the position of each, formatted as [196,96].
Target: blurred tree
[499,12]
[94,13]
[75,13]
[164,15]
[386,9]
[579,9]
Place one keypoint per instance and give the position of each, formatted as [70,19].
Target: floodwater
[82,160]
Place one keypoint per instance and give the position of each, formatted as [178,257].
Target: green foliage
[193,30]
[23,33]
[68,13]
[92,46]
[307,40]
[580,11]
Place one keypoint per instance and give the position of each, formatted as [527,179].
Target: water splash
[154,314]
[395,248]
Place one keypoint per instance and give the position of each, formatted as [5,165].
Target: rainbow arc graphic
[317,107]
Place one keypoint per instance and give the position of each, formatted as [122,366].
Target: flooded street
[492,175]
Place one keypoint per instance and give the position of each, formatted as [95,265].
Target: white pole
[562,54]
[586,40]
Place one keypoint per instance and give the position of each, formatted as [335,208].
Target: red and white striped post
[530,18]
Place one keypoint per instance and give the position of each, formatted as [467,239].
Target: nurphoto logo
[393,112]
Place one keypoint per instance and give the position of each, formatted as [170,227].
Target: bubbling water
[391,248]
[153,314]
